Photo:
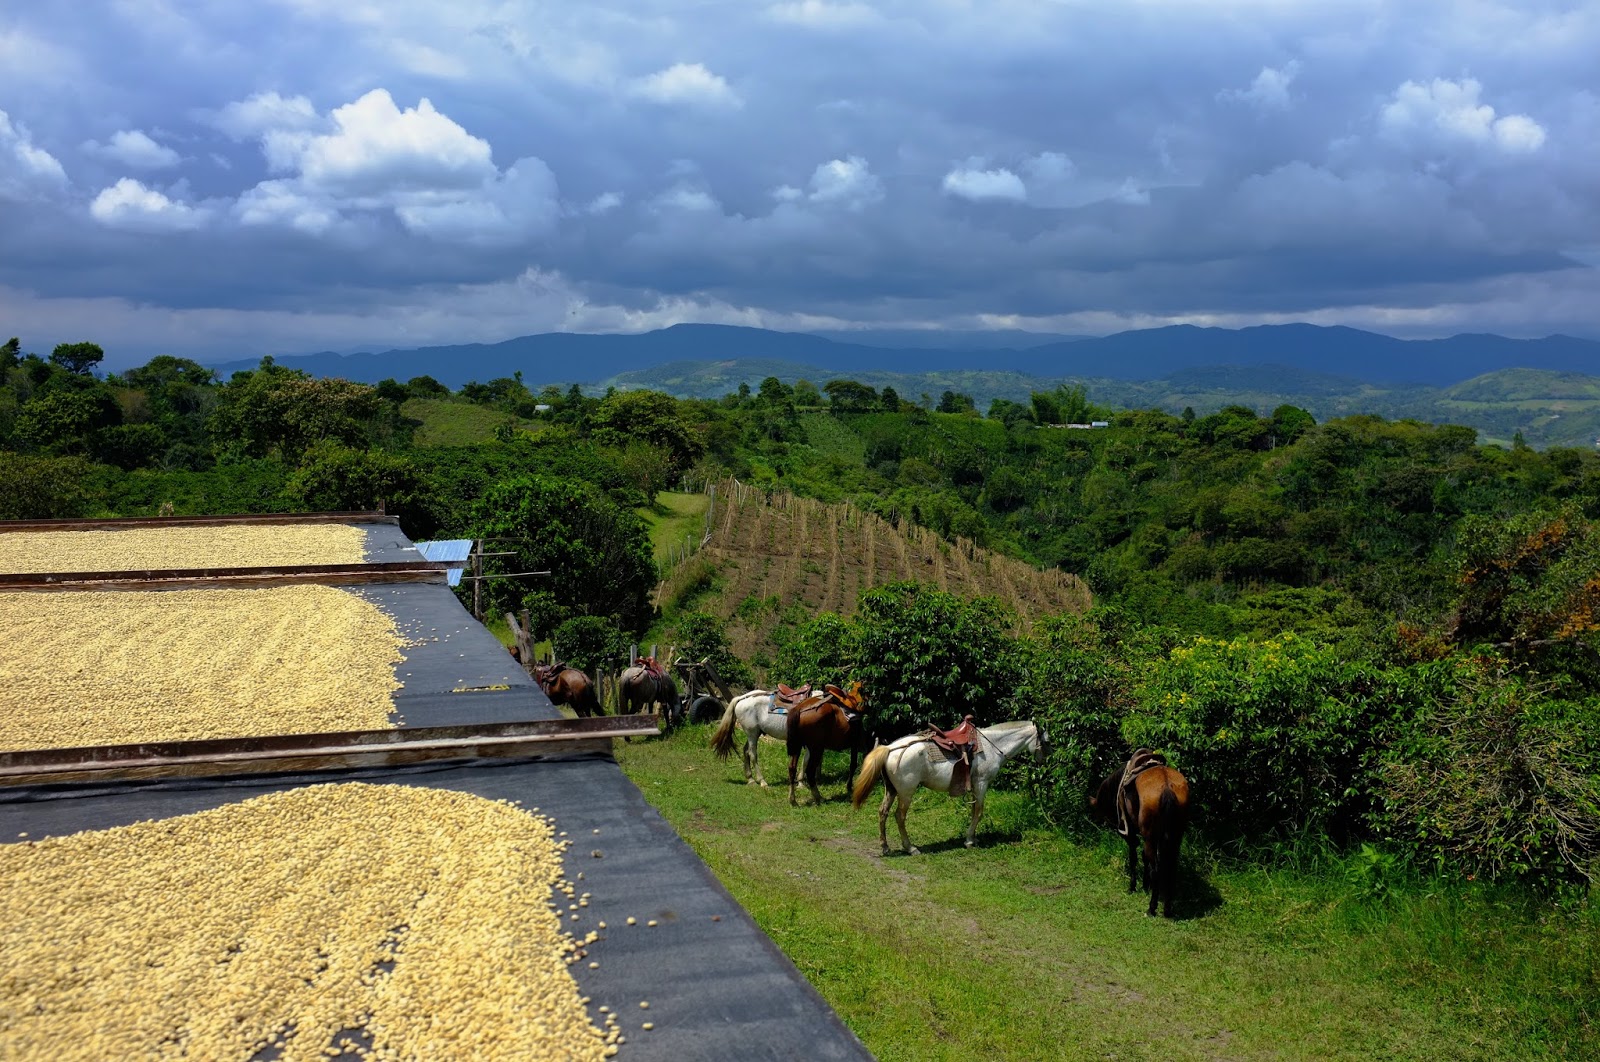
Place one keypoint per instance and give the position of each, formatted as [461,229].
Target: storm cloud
[227,179]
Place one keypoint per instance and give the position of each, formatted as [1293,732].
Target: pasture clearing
[1028,947]
[674,521]
[446,422]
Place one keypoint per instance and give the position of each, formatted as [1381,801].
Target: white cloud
[130,205]
[438,180]
[26,171]
[604,203]
[686,200]
[1269,91]
[849,183]
[970,182]
[821,15]
[1444,111]
[263,113]
[282,203]
[376,147]
[689,83]
[133,147]
[787,193]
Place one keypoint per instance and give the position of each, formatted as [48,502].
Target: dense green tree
[648,417]
[598,553]
[77,357]
[282,411]
[10,354]
[589,643]
[850,396]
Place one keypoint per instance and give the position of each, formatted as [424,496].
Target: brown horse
[1147,801]
[568,685]
[831,721]
[645,686]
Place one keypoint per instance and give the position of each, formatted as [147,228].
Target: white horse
[753,712]
[915,761]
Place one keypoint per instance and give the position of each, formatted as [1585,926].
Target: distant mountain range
[1146,354]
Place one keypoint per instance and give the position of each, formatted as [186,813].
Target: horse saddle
[959,744]
[1141,761]
[651,668]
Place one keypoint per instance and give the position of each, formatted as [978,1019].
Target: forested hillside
[1377,631]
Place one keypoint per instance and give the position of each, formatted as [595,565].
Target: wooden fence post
[477,580]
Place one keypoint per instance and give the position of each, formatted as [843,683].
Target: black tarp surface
[718,989]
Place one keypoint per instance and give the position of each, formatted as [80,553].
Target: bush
[822,649]
[701,636]
[1275,736]
[42,488]
[929,657]
[589,643]
[1079,688]
[1498,782]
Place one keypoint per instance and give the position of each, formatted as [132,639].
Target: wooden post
[477,580]
[519,634]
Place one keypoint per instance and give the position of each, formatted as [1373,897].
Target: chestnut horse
[568,685]
[833,723]
[1147,801]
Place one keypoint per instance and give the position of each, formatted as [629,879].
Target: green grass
[674,519]
[1028,947]
[447,422]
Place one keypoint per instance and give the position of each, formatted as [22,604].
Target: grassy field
[1028,947]
[674,519]
[451,423]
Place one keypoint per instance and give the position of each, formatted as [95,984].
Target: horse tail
[871,771]
[722,737]
[1170,816]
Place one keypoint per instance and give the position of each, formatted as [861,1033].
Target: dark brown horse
[568,685]
[829,722]
[1147,801]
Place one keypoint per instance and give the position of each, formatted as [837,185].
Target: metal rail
[312,752]
[417,571]
[111,523]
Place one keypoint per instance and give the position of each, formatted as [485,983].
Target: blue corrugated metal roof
[448,549]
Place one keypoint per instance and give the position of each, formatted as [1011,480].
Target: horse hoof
[970,844]
[886,850]
[913,851]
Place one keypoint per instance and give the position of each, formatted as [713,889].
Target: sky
[218,179]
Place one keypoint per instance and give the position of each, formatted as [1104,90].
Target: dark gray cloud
[307,173]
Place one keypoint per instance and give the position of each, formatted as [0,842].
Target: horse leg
[744,756]
[753,750]
[883,817]
[794,762]
[1133,864]
[813,770]
[900,821]
[977,813]
[1152,872]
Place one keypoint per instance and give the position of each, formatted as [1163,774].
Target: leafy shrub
[589,643]
[1275,736]
[1498,782]
[1079,687]
[822,649]
[701,636]
[41,488]
[927,656]
[335,478]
